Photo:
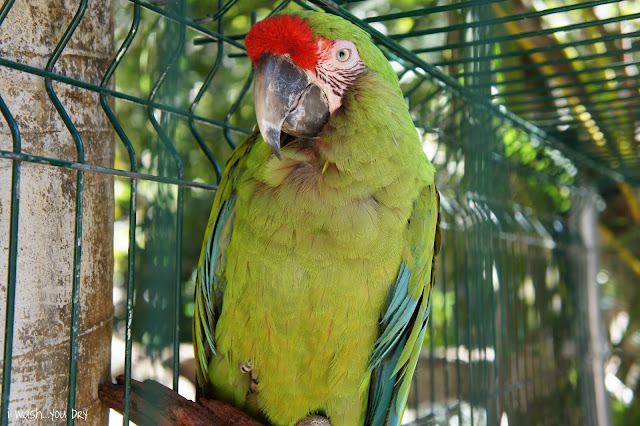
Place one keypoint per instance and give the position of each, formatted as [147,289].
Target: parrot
[313,286]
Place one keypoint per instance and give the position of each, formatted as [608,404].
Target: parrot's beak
[286,101]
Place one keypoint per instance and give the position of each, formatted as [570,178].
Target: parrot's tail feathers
[383,392]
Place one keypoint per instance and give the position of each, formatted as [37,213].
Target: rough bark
[155,404]
[47,199]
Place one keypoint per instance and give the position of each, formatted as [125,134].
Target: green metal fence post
[585,217]
[12,264]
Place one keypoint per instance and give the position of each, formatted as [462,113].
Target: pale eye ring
[343,54]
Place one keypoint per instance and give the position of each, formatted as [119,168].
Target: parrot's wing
[405,322]
[209,275]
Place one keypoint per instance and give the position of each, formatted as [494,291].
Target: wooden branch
[155,404]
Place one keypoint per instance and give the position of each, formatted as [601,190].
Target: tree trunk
[46,231]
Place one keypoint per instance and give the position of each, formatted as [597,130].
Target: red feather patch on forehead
[283,34]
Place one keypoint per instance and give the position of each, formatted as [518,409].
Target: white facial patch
[338,67]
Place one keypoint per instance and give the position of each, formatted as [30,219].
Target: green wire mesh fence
[515,331]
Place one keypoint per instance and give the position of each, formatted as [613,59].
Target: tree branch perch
[155,404]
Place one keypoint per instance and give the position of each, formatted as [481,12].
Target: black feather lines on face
[358,86]
[341,79]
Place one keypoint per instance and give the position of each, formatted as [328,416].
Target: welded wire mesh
[509,336]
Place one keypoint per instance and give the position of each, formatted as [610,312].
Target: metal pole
[587,224]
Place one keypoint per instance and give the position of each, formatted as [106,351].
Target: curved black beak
[286,101]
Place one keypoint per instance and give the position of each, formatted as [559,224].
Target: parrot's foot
[246,368]
[314,420]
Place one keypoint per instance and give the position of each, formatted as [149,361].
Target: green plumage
[304,256]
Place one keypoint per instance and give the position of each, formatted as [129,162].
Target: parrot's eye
[343,54]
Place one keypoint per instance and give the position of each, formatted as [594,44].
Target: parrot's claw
[314,420]
[245,367]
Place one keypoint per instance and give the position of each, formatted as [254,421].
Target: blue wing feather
[396,319]
[384,391]
[209,277]
[404,324]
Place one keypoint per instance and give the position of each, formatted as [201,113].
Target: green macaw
[313,287]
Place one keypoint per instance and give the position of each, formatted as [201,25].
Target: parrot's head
[305,64]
